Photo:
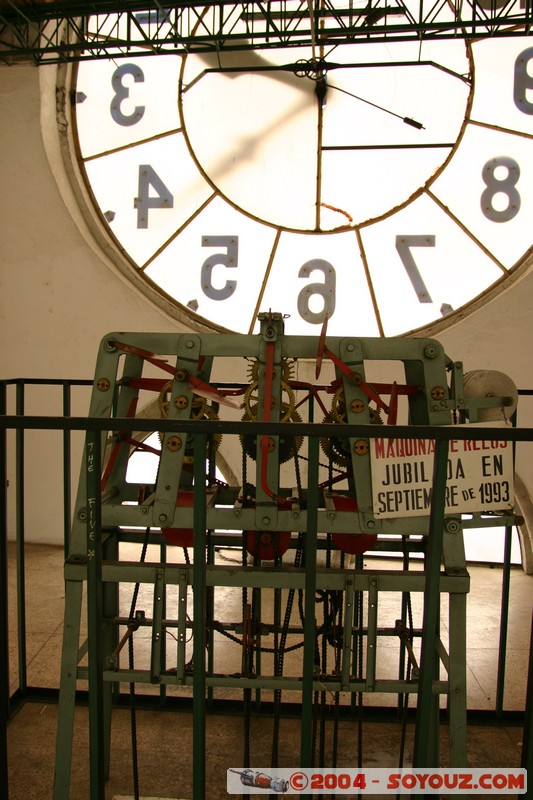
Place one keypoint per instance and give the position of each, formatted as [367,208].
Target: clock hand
[408,121]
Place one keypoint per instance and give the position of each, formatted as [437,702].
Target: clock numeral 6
[505,186]
[325,290]
[229,259]
[148,177]
[122,93]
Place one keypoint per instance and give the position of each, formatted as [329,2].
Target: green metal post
[423,750]
[94,618]
[504,621]
[20,537]
[199,617]
[306,746]
[527,743]
[66,468]
[4,633]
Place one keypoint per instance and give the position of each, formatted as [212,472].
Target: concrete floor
[165,737]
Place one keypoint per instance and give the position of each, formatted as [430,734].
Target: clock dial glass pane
[374,187]
[423,266]
[115,101]
[216,265]
[314,275]
[494,201]
[156,190]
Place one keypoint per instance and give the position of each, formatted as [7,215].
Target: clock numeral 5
[325,290]
[122,93]
[229,259]
[163,198]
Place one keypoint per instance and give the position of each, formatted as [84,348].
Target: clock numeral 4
[228,259]
[148,178]
[324,290]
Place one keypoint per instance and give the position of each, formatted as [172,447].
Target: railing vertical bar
[94,617]
[306,745]
[424,750]
[199,618]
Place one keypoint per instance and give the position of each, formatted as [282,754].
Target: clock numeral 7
[403,246]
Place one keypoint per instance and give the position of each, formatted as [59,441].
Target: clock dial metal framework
[383,184]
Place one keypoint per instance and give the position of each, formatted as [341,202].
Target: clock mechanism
[322,437]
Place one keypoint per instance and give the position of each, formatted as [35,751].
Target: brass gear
[336,449]
[251,397]
[208,413]
[338,406]
[338,409]
[198,403]
[287,446]
[286,370]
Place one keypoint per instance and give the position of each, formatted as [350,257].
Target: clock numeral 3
[163,198]
[325,290]
[505,186]
[122,93]
[229,259]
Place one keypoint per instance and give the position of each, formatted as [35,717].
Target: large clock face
[383,185]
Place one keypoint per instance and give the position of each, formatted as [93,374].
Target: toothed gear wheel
[288,446]
[338,406]
[208,413]
[338,409]
[337,449]
[251,397]
[286,370]
[375,416]
[198,403]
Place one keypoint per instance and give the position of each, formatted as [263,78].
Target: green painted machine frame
[109,509]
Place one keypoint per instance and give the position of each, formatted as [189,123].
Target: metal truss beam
[74,31]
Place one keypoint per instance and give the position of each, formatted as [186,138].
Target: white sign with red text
[479,476]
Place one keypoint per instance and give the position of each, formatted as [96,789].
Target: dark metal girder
[62,31]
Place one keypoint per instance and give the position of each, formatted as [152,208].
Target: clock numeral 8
[325,290]
[500,186]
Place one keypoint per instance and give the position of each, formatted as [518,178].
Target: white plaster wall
[59,296]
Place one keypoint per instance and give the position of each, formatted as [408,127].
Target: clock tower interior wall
[59,297]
